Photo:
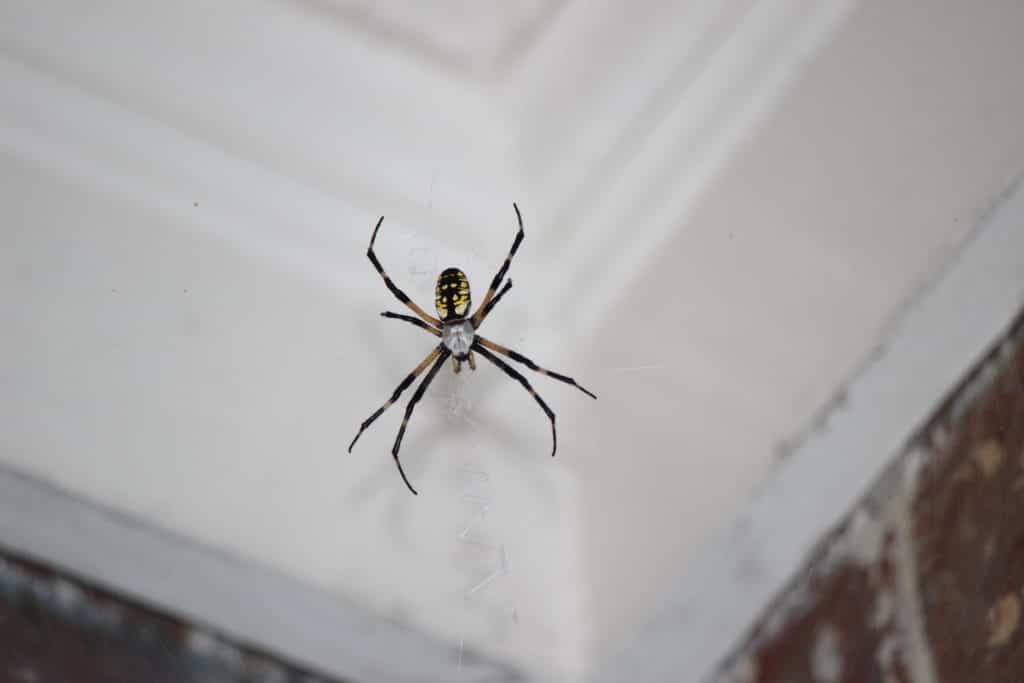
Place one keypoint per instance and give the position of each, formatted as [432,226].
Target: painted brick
[924,581]
[969,532]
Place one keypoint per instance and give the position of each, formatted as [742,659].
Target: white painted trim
[661,139]
[742,568]
[240,598]
[685,146]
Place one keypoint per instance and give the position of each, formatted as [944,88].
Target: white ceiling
[725,204]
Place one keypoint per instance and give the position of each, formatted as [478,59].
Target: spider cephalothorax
[457,331]
[458,336]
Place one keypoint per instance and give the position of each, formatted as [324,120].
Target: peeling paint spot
[865,539]
[888,653]
[67,595]
[826,656]
[884,611]
[23,674]
[989,456]
[208,646]
[940,437]
[1003,620]
[988,550]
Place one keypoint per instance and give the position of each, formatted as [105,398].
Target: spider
[456,328]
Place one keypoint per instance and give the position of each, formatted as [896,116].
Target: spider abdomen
[458,338]
[451,295]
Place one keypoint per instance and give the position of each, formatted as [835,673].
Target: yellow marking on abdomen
[452,294]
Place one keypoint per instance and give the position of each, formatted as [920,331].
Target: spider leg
[409,379]
[486,309]
[399,294]
[498,348]
[516,375]
[420,390]
[478,316]
[415,321]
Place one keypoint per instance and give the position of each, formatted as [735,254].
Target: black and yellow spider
[457,330]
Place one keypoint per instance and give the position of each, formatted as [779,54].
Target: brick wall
[56,629]
[924,581]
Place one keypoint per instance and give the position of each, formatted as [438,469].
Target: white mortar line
[919,661]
